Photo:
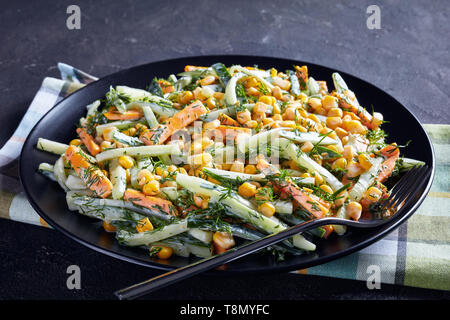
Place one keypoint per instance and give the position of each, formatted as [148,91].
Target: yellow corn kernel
[348,153]
[314,103]
[307,146]
[130,131]
[340,199]
[185,97]
[266,100]
[222,241]
[237,166]
[159,170]
[354,169]
[301,129]
[207,80]
[335,112]
[267,121]
[141,127]
[211,125]
[211,103]
[288,124]
[251,82]
[282,83]
[169,183]
[307,190]
[108,227]
[260,107]
[313,117]
[107,133]
[75,142]
[267,209]
[144,225]
[277,93]
[151,188]
[353,126]
[373,194]
[354,210]
[273,72]
[341,132]
[247,190]
[318,178]
[276,107]
[340,163]
[243,116]
[250,169]
[126,162]
[364,162]
[252,124]
[277,117]
[329,102]
[333,122]
[302,97]
[326,188]
[218,95]
[305,175]
[105,145]
[172,168]
[162,252]
[252,91]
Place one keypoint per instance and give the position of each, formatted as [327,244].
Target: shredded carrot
[227,121]
[391,152]
[304,199]
[231,133]
[127,115]
[92,176]
[88,141]
[181,119]
[153,203]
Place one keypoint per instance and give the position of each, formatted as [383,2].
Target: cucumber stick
[118,177]
[144,238]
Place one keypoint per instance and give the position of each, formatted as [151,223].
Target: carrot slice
[128,115]
[181,119]
[302,197]
[392,153]
[153,203]
[231,133]
[88,141]
[227,121]
[92,176]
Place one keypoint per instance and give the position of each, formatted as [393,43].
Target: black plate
[48,199]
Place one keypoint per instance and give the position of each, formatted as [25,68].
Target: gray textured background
[408,58]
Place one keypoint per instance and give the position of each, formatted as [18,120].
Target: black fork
[402,194]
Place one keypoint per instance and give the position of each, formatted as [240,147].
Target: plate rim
[274,268]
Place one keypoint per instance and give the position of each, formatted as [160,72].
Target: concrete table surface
[408,57]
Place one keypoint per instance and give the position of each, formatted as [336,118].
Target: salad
[201,161]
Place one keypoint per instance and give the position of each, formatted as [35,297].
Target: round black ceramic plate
[59,124]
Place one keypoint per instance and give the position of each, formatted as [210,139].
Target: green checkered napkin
[416,254]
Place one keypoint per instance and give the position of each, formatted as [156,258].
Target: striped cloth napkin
[416,254]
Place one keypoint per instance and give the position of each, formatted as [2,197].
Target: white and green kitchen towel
[416,254]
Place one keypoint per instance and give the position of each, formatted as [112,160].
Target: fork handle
[200,266]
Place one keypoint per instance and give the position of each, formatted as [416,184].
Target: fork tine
[404,194]
[399,186]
